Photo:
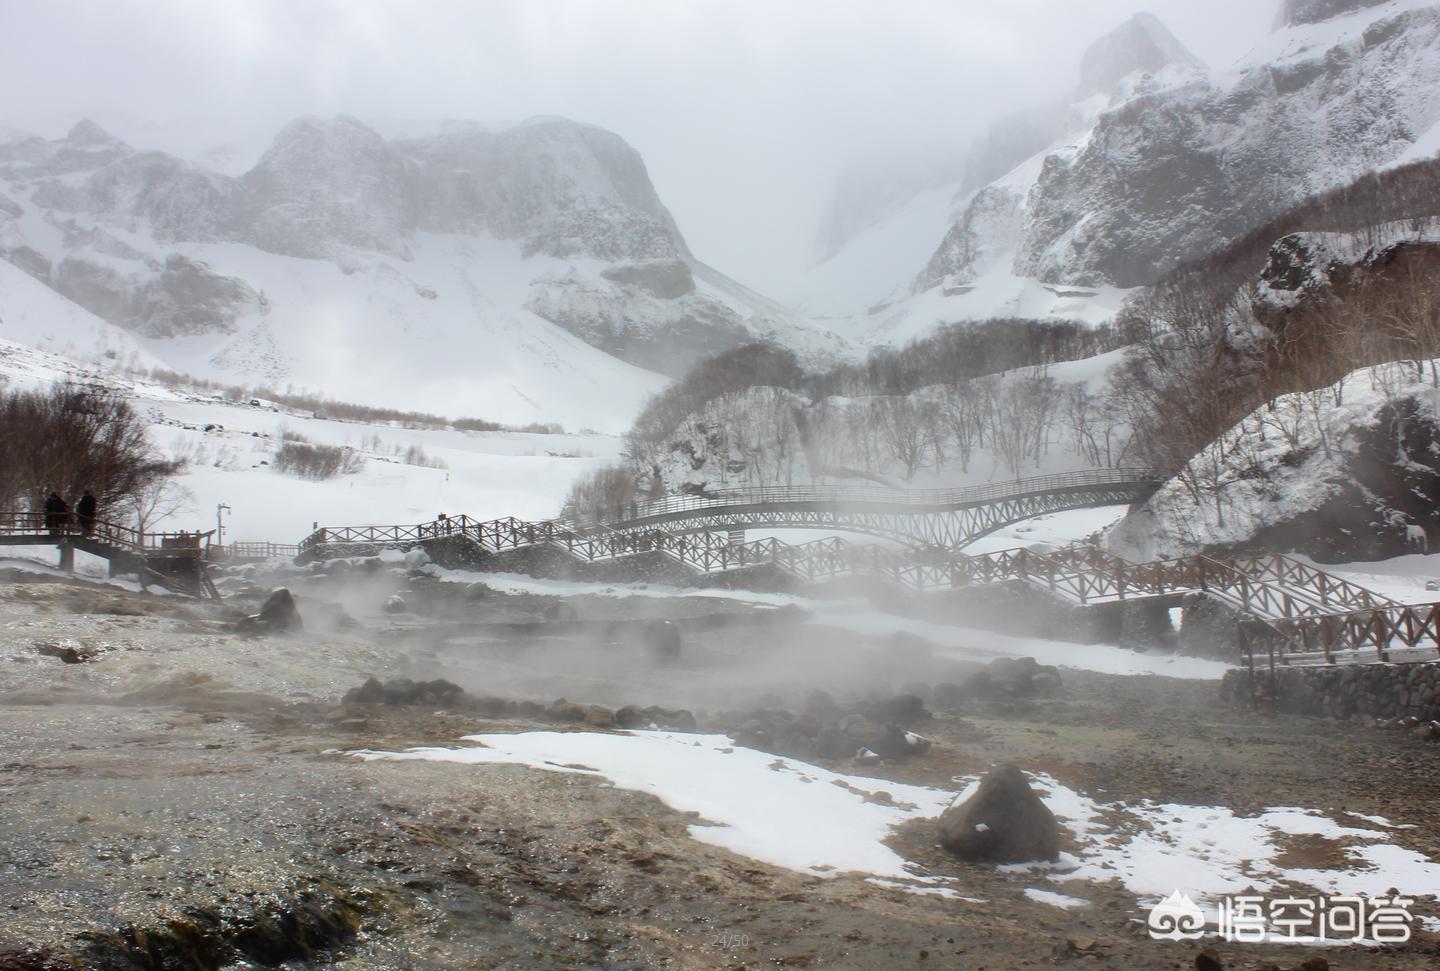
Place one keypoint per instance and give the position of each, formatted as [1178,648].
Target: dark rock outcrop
[1003,821]
[277,615]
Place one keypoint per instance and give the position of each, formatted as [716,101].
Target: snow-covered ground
[766,807]
[230,449]
[1401,578]
[1051,529]
[997,292]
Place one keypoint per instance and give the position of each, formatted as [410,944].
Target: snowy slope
[230,448]
[445,332]
[1160,160]
[521,273]
[868,269]
[1344,469]
[32,313]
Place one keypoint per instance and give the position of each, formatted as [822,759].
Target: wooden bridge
[1292,613]
[175,561]
[945,518]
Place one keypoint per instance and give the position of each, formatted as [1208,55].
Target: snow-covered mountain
[522,273]
[1158,160]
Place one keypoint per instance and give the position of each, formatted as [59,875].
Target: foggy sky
[746,111]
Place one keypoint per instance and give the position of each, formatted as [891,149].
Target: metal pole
[220,511]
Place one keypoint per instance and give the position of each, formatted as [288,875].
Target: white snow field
[766,807]
[230,447]
[371,333]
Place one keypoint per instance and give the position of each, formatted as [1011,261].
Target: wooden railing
[115,535]
[252,551]
[1311,616]
[875,496]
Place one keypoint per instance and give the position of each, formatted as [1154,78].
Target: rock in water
[395,604]
[279,612]
[1003,822]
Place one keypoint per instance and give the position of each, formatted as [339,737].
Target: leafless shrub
[416,455]
[601,494]
[311,461]
[71,438]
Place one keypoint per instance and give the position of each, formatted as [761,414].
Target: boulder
[1046,682]
[395,604]
[279,612]
[561,710]
[372,692]
[832,743]
[674,719]
[69,650]
[1003,821]
[598,716]
[631,716]
[883,739]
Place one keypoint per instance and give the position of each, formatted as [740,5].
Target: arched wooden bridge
[943,518]
[1291,612]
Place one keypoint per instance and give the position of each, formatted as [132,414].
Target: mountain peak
[1141,43]
[87,134]
[1297,12]
[334,128]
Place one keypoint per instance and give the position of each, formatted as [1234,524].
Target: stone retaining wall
[1380,691]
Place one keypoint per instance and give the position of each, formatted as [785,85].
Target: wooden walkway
[947,518]
[175,561]
[1291,612]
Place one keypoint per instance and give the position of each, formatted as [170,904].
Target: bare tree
[1023,412]
[68,439]
[155,502]
[904,429]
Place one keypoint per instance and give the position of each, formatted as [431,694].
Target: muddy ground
[181,797]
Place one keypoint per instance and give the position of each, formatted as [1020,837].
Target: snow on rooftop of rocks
[811,819]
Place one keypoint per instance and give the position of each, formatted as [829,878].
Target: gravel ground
[180,799]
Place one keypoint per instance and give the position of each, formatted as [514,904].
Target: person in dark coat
[85,512]
[57,513]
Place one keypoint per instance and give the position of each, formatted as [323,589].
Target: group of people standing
[58,517]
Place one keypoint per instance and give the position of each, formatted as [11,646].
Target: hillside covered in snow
[399,472]
[526,273]
[1155,160]
[1343,472]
